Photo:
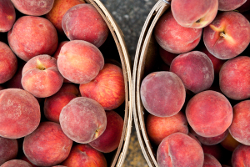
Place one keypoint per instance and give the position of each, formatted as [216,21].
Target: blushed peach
[229,5]
[8,149]
[159,91]
[7,15]
[239,156]
[210,161]
[16,163]
[209,113]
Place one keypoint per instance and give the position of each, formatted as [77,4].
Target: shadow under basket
[145,62]
[115,49]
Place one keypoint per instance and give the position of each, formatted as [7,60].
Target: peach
[70,88]
[174,38]
[110,139]
[53,105]
[195,70]
[107,88]
[209,113]
[33,7]
[47,145]
[31,36]
[193,13]
[58,10]
[240,156]
[80,61]
[83,120]
[78,17]
[8,63]
[210,161]
[56,54]
[160,127]
[229,143]
[16,163]
[234,78]
[159,91]
[20,113]
[166,56]
[228,35]
[84,155]
[40,76]
[178,149]
[7,15]
[8,149]
[214,150]
[229,5]
[240,127]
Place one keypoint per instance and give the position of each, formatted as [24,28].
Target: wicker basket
[144,59]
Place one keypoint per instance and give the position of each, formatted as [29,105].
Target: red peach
[214,150]
[107,88]
[70,88]
[8,149]
[47,145]
[7,15]
[31,36]
[229,5]
[240,156]
[166,56]
[78,17]
[210,161]
[20,113]
[16,163]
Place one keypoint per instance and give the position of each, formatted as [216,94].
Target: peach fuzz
[16,163]
[7,15]
[195,70]
[160,127]
[240,156]
[209,113]
[107,88]
[228,35]
[83,120]
[80,61]
[159,90]
[240,127]
[229,143]
[60,7]
[31,36]
[33,8]
[77,18]
[174,38]
[84,155]
[211,161]
[40,76]
[234,78]
[110,139]
[8,63]
[8,149]
[178,149]
[53,105]
[47,145]
[25,114]
[229,5]
[194,13]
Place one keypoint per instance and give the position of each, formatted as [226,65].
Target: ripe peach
[159,91]
[195,70]
[31,36]
[160,127]
[107,88]
[8,63]
[229,5]
[234,78]
[58,10]
[210,161]
[240,127]
[16,163]
[20,113]
[229,143]
[84,155]
[77,18]
[41,77]
[7,15]
[174,38]
[228,35]
[8,149]
[110,139]
[80,61]
[47,145]
[83,120]
[193,13]
[209,113]
[34,8]
[56,54]
[178,149]
[240,156]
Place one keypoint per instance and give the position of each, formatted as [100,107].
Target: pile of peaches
[60,94]
[198,107]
